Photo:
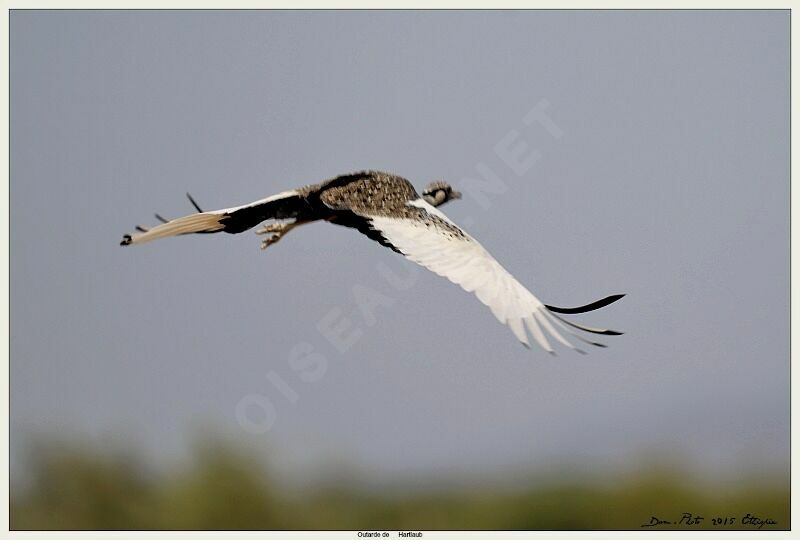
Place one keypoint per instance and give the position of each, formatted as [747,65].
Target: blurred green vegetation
[223,488]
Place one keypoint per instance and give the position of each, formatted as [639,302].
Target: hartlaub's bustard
[388,210]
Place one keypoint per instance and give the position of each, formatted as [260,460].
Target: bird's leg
[276,231]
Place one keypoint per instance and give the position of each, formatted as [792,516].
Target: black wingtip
[126,240]
[194,203]
[601,331]
[588,307]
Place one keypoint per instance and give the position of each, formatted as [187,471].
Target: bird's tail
[204,222]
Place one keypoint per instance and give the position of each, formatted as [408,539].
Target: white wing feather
[463,260]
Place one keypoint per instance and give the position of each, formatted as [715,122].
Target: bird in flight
[387,209]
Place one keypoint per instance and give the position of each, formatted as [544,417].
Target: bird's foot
[269,240]
[275,232]
[272,228]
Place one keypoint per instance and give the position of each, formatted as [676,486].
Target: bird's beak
[455,194]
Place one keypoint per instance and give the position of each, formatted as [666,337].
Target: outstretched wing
[429,238]
[288,204]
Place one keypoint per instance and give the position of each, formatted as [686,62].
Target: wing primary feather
[540,316]
[519,331]
[194,203]
[140,228]
[193,223]
[537,333]
[588,307]
[603,331]
[573,334]
[161,218]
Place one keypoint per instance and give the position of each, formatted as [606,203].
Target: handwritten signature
[689,519]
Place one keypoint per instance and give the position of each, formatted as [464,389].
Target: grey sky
[669,182]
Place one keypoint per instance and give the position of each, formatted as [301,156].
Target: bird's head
[438,193]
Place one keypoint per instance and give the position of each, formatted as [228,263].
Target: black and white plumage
[387,209]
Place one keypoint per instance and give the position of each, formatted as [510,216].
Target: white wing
[444,248]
